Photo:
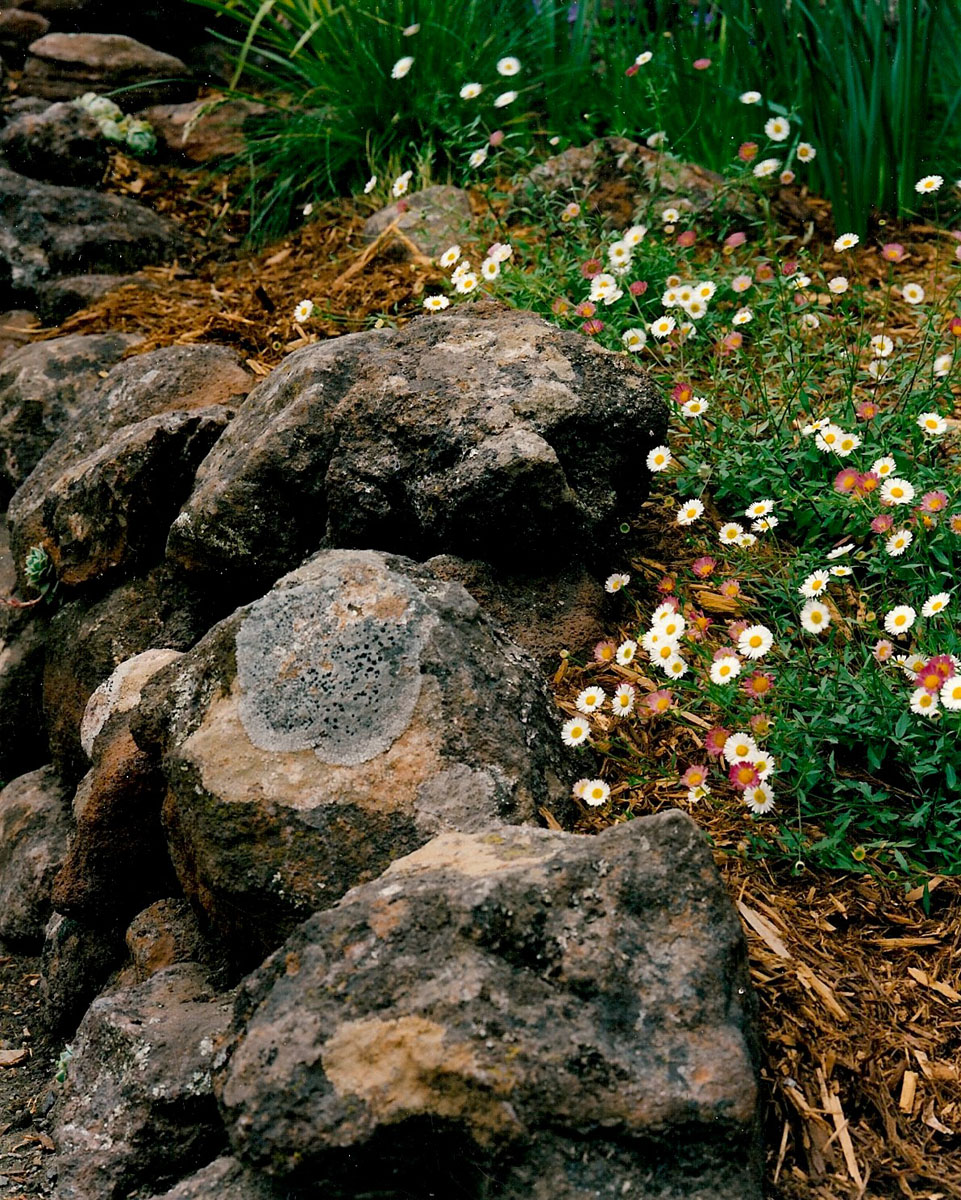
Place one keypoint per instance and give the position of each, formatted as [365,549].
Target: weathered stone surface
[15,330]
[118,862]
[488,434]
[34,826]
[559,1016]
[76,960]
[619,176]
[62,66]
[563,609]
[203,130]
[431,219]
[137,1110]
[63,144]
[62,297]
[47,231]
[18,28]
[162,935]
[43,389]
[90,638]
[226,1179]
[103,496]
[336,724]
[23,737]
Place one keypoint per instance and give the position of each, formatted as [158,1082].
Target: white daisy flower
[695,308]
[675,667]
[898,542]
[935,604]
[659,459]
[478,157]
[697,406]
[634,339]
[370,185]
[932,423]
[615,582]
[950,694]
[847,241]
[896,491]
[625,652]
[900,619]
[663,327]
[596,792]
[881,345]
[689,512]
[882,467]
[504,99]
[839,551]
[490,268]
[777,129]
[739,747]
[759,508]
[929,183]
[767,166]
[470,91]
[828,437]
[805,152]
[304,311]
[656,140]
[619,254]
[635,235]
[725,669]
[816,583]
[765,524]
[750,97]
[590,699]
[815,617]
[466,283]
[671,624]
[622,702]
[840,571]
[755,641]
[436,303]
[742,316]
[838,285]
[401,67]
[759,799]
[508,65]
[449,257]
[923,702]
[942,365]
[401,183]
[912,293]
[575,731]
[730,532]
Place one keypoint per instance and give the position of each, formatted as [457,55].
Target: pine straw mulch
[859,987]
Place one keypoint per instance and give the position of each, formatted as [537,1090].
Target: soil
[858,981]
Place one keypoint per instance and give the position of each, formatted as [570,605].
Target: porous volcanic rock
[486,433]
[227,1179]
[63,144]
[118,862]
[15,329]
[34,826]
[334,725]
[75,963]
[563,1017]
[102,497]
[430,220]
[62,66]
[137,1111]
[90,637]
[23,635]
[43,389]
[60,298]
[46,230]
[163,934]
[618,178]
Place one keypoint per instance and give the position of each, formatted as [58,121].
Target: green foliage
[866,777]
[39,570]
[861,80]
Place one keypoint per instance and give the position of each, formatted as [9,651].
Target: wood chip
[909,1085]
[764,929]
[13,1058]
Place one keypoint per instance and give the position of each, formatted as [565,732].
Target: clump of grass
[810,492]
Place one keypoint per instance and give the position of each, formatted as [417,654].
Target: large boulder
[203,130]
[75,963]
[336,724]
[91,637]
[522,1014]
[620,177]
[34,827]
[226,1179]
[18,28]
[488,434]
[43,389]
[103,496]
[118,862]
[23,635]
[62,66]
[137,1110]
[63,144]
[430,221]
[46,230]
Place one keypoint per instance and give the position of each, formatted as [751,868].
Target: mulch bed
[859,986]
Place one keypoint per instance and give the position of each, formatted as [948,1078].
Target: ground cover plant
[800,658]
[373,88]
